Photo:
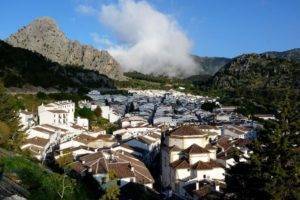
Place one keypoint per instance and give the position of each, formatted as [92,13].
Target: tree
[41,95]
[209,106]
[4,133]
[64,160]
[272,171]
[86,113]
[41,183]
[112,190]
[10,135]
[98,112]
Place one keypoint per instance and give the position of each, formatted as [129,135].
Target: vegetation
[96,121]
[65,160]
[209,106]
[19,67]
[10,136]
[159,82]
[272,171]
[112,190]
[40,182]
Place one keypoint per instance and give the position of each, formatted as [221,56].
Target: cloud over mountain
[150,41]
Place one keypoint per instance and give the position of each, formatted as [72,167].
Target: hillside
[43,36]
[258,82]
[291,55]
[210,65]
[19,67]
[257,71]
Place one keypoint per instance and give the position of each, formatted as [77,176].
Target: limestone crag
[43,36]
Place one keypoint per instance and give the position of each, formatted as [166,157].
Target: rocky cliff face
[43,36]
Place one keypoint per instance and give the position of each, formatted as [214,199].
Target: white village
[189,147]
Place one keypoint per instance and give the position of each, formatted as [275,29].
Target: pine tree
[272,171]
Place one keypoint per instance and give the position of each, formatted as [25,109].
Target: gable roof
[187,130]
[124,164]
[195,149]
[206,165]
[41,142]
[174,148]
[180,164]
[40,129]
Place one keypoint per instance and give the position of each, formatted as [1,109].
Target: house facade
[188,157]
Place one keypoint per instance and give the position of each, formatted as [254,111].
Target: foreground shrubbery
[40,182]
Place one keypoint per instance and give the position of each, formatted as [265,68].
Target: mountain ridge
[44,36]
[20,67]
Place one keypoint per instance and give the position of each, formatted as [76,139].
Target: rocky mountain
[21,67]
[292,55]
[258,71]
[43,36]
[210,65]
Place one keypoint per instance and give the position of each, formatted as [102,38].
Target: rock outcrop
[43,36]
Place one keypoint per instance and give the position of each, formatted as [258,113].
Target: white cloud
[151,42]
[101,42]
[86,10]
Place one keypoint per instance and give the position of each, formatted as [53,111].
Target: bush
[41,183]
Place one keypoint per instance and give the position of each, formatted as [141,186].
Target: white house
[26,119]
[58,113]
[236,132]
[36,146]
[187,156]
[83,122]
[126,167]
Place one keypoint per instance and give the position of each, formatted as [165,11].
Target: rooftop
[187,130]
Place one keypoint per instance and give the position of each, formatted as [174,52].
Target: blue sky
[216,28]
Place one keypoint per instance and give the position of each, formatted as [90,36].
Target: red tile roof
[180,164]
[206,165]
[41,142]
[187,130]
[195,149]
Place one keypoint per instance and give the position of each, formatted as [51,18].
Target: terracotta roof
[242,142]
[85,139]
[54,127]
[122,170]
[224,143]
[91,157]
[41,142]
[180,164]
[203,126]
[174,148]
[206,165]
[40,129]
[155,135]
[78,167]
[195,149]
[120,162]
[187,130]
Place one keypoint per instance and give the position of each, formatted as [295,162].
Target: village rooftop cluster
[194,146]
